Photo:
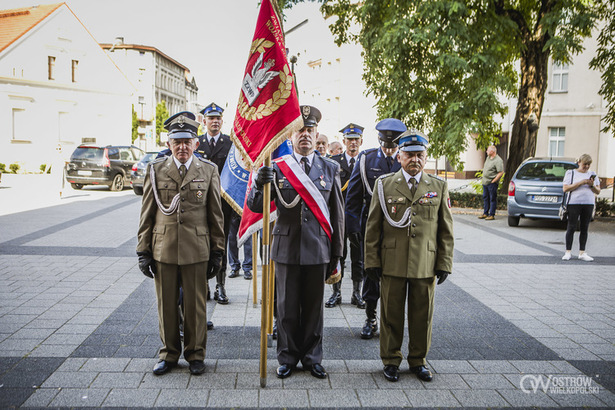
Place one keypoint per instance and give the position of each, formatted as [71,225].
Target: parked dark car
[536,189]
[110,165]
[137,174]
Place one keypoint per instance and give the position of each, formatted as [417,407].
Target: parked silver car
[536,189]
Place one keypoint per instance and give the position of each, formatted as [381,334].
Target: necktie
[182,171]
[351,164]
[390,163]
[412,186]
[212,143]
[306,165]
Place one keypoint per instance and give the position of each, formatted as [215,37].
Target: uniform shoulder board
[436,177]
[330,161]
[158,160]
[206,161]
[386,175]
[369,150]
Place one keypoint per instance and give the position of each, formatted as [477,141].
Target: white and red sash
[307,190]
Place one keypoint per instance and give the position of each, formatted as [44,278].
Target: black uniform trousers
[371,289]
[300,291]
[356,260]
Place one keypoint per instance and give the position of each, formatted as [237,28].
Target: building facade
[157,77]
[57,87]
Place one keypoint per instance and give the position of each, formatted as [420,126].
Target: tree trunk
[534,75]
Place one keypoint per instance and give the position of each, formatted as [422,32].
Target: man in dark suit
[307,243]
[371,164]
[181,241]
[353,138]
[214,146]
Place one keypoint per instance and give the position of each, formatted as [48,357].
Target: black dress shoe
[357,300]
[162,367]
[284,371]
[197,367]
[220,295]
[247,275]
[234,274]
[370,329]
[334,300]
[317,370]
[210,325]
[422,372]
[391,372]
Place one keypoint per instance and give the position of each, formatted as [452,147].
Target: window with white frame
[557,139]
[560,77]
[20,124]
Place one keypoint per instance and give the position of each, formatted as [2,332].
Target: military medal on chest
[199,195]
[322,181]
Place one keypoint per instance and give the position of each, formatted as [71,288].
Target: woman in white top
[582,185]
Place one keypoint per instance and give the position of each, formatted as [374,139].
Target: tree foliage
[605,59]
[135,125]
[445,66]
[162,113]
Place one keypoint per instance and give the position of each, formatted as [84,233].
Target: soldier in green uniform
[181,241]
[408,243]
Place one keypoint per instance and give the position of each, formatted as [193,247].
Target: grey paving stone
[607,398]
[283,399]
[61,351]
[131,398]
[105,364]
[519,398]
[445,381]
[41,397]
[213,381]
[139,365]
[534,367]
[118,380]
[174,398]
[479,398]
[71,364]
[172,380]
[564,367]
[80,397]
[70,379]
[233,398]
[487,381]
[435,398]
[452,366]
[379,398]
[578,400]
[333,398]
[351,381]
[364,366]
[493,366]
[252,381]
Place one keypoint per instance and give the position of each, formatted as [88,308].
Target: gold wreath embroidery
[277,100]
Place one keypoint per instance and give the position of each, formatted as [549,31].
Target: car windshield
[150,156]
[544,171]
[87,153]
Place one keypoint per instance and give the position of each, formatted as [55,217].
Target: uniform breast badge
[199,195]
[394,209]
[322,181]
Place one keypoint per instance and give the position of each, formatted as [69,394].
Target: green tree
[135,125]
[161,115]
[605,59]
[443,65]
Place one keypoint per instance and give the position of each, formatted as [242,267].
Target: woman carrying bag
[582,199]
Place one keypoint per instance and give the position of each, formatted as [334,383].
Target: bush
[477,184]
[604,207]
[2,167]
[14,168]
[471,200]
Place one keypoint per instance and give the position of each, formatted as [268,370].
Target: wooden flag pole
[265,277]
[254,268]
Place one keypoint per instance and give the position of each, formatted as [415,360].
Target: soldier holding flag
[307,243]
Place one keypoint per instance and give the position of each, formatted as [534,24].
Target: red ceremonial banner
[268,107]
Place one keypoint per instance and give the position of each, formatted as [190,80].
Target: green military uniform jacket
[188,235]
[426,245]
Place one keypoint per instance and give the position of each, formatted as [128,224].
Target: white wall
[56,111]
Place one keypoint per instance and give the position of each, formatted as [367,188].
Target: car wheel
[118,183]
[513,220]
[138,190]
[76,186]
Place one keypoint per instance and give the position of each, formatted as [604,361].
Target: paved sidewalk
[78,324]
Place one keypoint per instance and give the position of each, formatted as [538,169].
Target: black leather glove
[147,264]
[374,273]
[355,239]
[332,266]
[214,264]
[442,275]
[263,176]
